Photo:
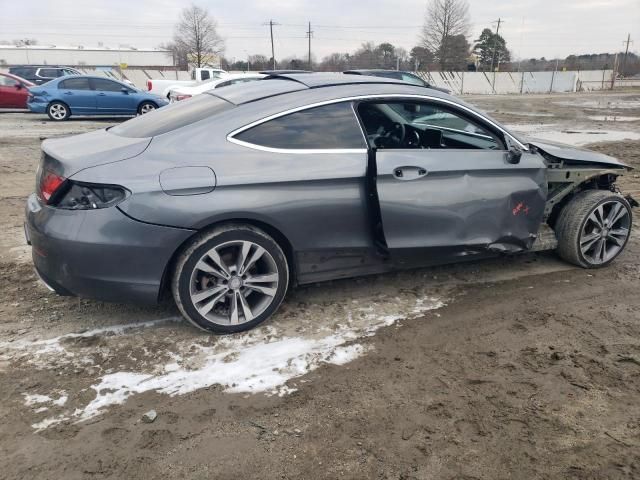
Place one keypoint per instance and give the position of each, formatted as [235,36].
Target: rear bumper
[37,107]
[100,254]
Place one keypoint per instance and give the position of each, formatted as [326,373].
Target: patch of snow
[53,345]
[36,399]
[261,360]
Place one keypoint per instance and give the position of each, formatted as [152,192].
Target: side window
[75,84]
[105,85]
[48,73]
[7,81]
[414,124]
[67,72]
[331,126]
[205,75]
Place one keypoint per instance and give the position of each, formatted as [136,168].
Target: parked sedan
[178,93]
[87,95]
[13,91]
[230,198]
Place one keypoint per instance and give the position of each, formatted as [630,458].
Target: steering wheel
[397,133]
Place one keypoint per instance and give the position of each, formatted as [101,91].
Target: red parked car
[14,91]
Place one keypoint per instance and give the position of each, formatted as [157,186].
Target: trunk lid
[67,156]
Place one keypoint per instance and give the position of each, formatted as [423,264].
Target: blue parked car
[87,95]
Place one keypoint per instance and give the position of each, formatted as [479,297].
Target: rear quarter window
[327,127]
[172,117]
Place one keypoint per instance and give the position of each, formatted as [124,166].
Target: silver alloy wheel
[234,282]
[605,232]
[58,111]
[146,108]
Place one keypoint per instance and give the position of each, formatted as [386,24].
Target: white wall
[523,82]
[70,57]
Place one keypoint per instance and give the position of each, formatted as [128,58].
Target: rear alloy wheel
[146,107]
[58,111]
[230,279]
[593,228]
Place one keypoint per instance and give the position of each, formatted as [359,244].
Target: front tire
[146,107]
[58,111]
[230,279]
[593,228]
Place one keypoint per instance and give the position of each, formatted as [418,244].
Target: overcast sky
[532,28]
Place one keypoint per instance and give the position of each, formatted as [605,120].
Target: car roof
[280,84]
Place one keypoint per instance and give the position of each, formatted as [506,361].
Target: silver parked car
[229,198]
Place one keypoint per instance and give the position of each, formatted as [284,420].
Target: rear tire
[593,228]
[146,107]
[230,279]
[58,111]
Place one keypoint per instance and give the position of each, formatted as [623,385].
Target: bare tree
[445,19]
[196,34]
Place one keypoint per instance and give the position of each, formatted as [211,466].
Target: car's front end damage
[570,171]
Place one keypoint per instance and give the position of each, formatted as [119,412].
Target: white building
[84,56]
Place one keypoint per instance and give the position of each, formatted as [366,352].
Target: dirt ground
[519,368]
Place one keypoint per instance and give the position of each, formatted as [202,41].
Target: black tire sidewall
[227,236]
[58,119]
[626,205]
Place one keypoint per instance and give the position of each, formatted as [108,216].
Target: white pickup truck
[162,86]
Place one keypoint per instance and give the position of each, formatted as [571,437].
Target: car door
[12,93]
[446,183]
[76,92]
[113,98]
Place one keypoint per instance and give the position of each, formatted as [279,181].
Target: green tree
[457,53]
[488,45]
[421,58]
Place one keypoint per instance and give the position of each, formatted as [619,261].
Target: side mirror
[125,90]
[513,155]
[18,86]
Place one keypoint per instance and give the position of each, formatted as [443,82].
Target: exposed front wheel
[146,107]
[58,111]
[230,279]
[593,228]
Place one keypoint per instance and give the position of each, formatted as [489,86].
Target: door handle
[102,94]
[409,173]
[68,93]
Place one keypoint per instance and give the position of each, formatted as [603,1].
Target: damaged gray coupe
[228,199]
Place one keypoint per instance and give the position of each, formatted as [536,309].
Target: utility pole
[273,52]
[495,44]
[309,34]
[626,52]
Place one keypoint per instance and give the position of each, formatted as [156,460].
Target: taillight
[89,196]
[149,85]
[182,97]
[49,184]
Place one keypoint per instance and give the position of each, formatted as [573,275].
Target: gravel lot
[510,368]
